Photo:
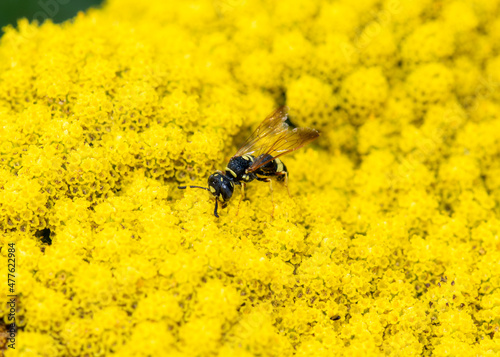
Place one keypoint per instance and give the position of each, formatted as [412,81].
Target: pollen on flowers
[386,240]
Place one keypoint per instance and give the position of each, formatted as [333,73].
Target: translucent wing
[263,136]
[283,143]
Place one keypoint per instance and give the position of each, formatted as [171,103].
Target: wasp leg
[215,210]
[241,196]
[285,173]
[270,189]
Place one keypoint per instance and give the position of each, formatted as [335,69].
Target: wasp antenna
[183,187]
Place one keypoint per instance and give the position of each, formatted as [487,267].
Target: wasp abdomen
[275,167]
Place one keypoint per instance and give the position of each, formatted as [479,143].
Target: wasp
[258,158]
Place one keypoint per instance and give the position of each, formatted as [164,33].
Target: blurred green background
[56,10]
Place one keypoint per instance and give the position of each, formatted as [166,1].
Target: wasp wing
[264,135]
[285,142]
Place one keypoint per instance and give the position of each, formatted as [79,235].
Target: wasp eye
[214,184]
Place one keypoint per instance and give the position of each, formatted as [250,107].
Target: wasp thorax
[237,168]
[220,186]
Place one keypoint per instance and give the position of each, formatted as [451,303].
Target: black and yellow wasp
[258,158]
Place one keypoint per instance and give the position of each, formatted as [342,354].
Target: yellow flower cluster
[389,245]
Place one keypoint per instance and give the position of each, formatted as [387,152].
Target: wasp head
[220,186]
